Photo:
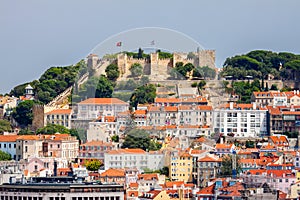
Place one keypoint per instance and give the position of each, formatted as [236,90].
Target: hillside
[53,82]
[263,65]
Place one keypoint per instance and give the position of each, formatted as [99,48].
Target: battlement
[156,66]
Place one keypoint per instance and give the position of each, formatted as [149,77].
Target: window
[26,149]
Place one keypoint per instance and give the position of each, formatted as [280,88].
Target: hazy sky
[38,34]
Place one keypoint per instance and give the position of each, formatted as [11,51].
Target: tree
[143,94]
[137,138]
[79,133]
[51,129]
[164,171]
[93,165]
[115,138]
[4,126]
[226,165]
[136,69]
[112,72]
[140,53]
[4,156]
[201,84]
[184,69]
[274,87]
[23,113]
[104,88]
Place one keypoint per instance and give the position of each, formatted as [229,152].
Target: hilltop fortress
[156,68]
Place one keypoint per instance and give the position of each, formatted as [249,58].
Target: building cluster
[234,151]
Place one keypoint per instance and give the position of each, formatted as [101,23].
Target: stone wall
[38,117]
[158,69]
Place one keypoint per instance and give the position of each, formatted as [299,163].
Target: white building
[93,108]
[129,158]
[59,117]
[8,144]
[102,129]
[241,120]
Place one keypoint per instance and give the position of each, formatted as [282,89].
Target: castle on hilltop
[155,67]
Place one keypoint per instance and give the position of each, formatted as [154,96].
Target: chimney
[254,106]
[55,168]
[231,105]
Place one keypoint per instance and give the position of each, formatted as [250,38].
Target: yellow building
[181,166]
[295,189]
[298,176]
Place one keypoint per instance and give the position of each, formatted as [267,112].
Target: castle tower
[122,62]
[92,61]
[207,58]
[29,92]
[154,64]
[38,117]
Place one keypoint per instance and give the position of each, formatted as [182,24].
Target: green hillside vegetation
[53,82]
[260,63]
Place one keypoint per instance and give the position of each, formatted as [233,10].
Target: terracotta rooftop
[127,151]
[209,159]
[147,176]
[103,101]
[113,173]
[97,143]
[59,112]
[8,138]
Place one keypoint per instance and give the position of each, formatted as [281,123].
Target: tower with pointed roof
[29,92]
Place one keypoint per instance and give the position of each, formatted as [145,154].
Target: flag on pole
[119,44]
[152,42]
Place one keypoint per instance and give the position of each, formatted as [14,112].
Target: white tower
[29,92]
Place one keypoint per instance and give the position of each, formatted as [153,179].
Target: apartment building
[93,108]
[103,128]
[241,120]
[284,119]
[59,117]
[94,150]
[133,158]
[181,166]
[8,145]
[208,168]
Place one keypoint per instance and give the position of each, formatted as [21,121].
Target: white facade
[242,121]
[95,107]
[101,131]
[133,158]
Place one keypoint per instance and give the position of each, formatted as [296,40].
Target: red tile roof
[59,112]
[8,138]
[127,151]
[167,100]
[209,159]
[113,173]
[97,143]
[103,101]
[223,146]
[147,176]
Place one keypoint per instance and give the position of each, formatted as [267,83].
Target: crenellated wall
[158,68]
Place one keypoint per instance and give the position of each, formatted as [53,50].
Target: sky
[38,34]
